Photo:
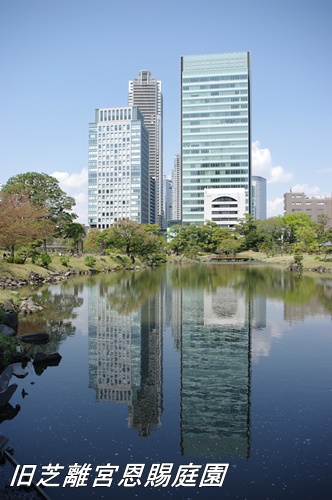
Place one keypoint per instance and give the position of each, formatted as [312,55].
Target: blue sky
[62,59]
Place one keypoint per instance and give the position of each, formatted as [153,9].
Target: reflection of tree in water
[131,290]
[266,281]
[55,318]
[207,276]
[282,284]
[325,294]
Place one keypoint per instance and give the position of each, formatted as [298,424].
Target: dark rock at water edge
[35,338]
[41,361]
[6,330]
[51,359]
[8,317]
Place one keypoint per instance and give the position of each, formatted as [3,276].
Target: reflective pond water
[181,369]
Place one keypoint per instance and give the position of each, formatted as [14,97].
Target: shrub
[64,260]
[10,260]
[7,349]
[90,261]
[45,260]
[19,260]
[34,255]
[298,258]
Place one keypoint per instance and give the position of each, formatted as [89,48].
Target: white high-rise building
[119,180]
[145,92]
[176,189]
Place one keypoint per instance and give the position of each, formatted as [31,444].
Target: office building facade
[176,189]
[259,197]
[167,194]
[224,206]
[118,167]
[314,206]
[215,128]
[145,92]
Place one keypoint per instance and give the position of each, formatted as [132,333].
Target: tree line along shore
[38,234]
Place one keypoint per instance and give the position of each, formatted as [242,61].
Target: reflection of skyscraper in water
[146,406]
[177,317]
[260,335]
[114,350]
[173,311]
[258,312]
[215,373]
[125,358]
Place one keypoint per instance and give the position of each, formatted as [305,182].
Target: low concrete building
[313,206]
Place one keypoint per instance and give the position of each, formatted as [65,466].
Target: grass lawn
[309,261]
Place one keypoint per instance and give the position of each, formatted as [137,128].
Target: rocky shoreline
[35,279]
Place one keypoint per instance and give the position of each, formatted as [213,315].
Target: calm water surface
[193,365]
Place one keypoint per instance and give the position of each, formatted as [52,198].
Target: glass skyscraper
[176,189]
[259,197]
[215,130]
[146,93]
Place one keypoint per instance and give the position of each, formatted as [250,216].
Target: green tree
[31,250]
[229,246]
[133,239]
[247,228]
[292,223]
[323,222]
[219,235]
[152,228]
[307,236]
[125,235]
[92,242]
[178,238]
[151,246]
[252,241]
[270,232]
[76,232]
[44,192]
[246,225]
[326,242]
[195,238]
[207,237]
[182,238]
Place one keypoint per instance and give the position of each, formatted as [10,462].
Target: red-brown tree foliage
[21,222]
